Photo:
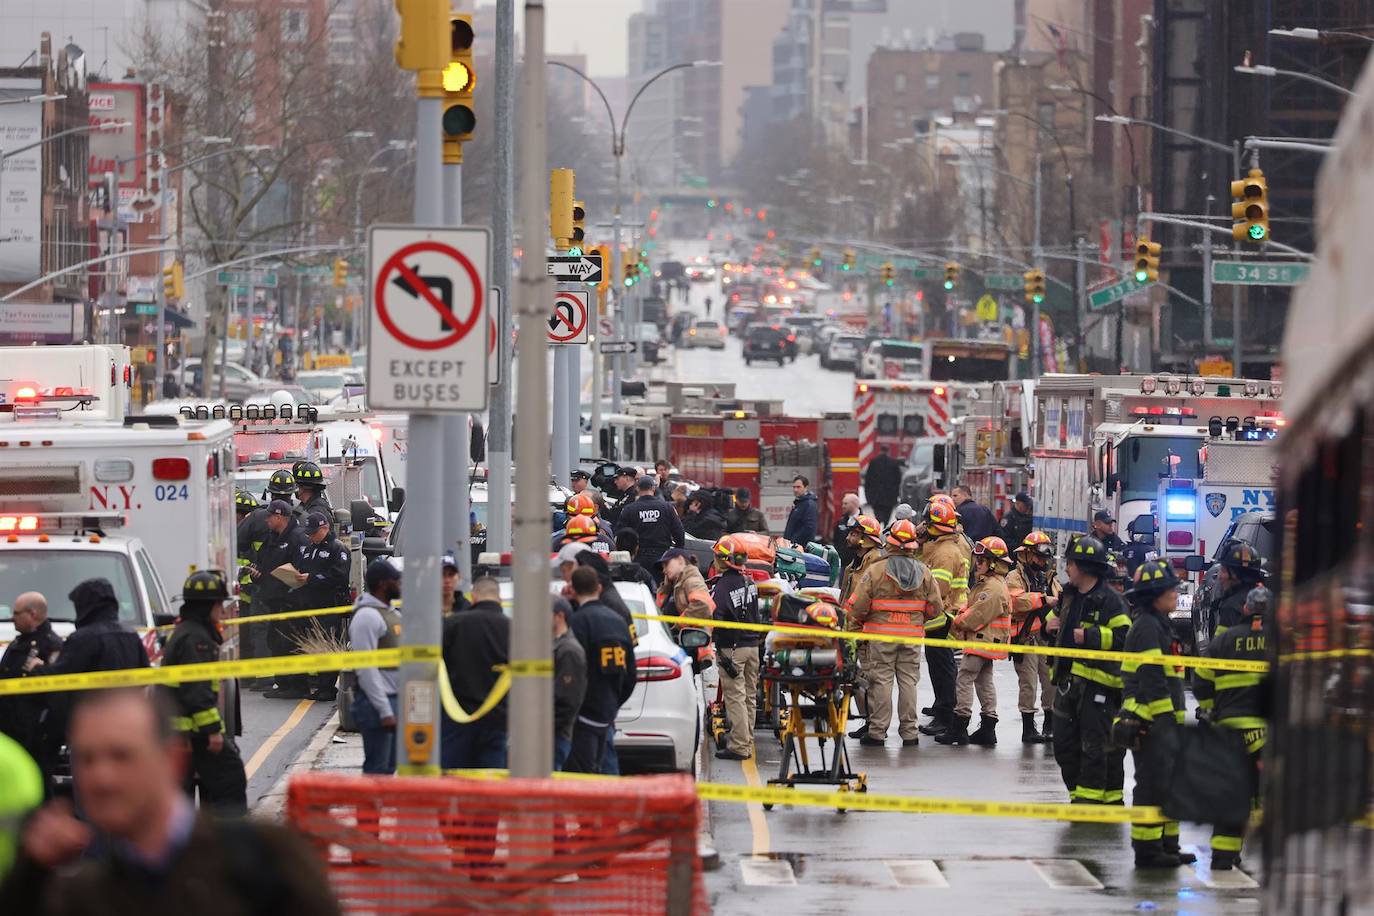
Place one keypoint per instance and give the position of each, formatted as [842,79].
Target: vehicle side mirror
[360,515]
[1113,481]
[693,638]
[1142,525]
[1195,564]
[164,620]
[398,499]
[375,547]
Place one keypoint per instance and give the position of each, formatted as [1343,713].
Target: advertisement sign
[21,183]
[43,322]
[110,104]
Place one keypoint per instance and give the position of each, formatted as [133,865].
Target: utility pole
[457,438]
[1206,289]
[1080,288]
[498,432]
[1036,256]
[531,707]
[617,282]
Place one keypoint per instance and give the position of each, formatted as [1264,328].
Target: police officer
[215,764]
[654,520]
[1242,568]
[1034,594]
[285,544]
[252,534]
[865,542]
[895,596]
[326,563]
[987,621]
[1234,699]
[1092,615]
[1151,699]
[736,599]
[949,556]
[310,484]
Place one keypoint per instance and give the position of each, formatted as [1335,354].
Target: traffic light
[606,278]
[1147,260]
[816,260]
[458,80]
[579,220]
[424,30]
[340,272]
[889,274]
[848,262]
[173,283]
[951,275]
[1035,285]
[561,182]
[1250,208]
[631,270]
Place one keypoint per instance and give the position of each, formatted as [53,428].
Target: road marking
[1062,874]
[767,872]
[1232,879]
[757,822]
[267,747]
[916,873]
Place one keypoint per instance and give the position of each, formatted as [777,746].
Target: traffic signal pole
[503,243]
[617,282]
[457,527]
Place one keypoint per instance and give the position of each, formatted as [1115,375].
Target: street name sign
[581,268]
[568,320]
[1260,273]
[428,334]
[247,278]
[1003,281]
[1100,298]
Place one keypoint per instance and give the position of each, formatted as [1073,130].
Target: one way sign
[581,268]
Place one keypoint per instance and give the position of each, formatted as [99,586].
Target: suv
[892,359]
[842,351]
[1260,531]
[768,341]
[704,332]
[805,327]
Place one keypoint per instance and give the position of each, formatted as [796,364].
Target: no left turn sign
[428,339]
[568,320]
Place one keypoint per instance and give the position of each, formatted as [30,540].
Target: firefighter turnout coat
[895,595]
[987,619]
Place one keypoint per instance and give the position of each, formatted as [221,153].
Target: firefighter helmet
[823,614]
[730,551]
[582,528]
[902,535]
[244,501]
[868,529]
[281,483]
[205,585]
[308,474]
[941,517]
[581,504]
[1087,551]
[1241,558]
[994,550]
[1038,543]
[1153,578]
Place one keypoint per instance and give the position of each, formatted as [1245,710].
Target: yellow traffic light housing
[631,270]
[1034,281]
[173,282]
[579,221]
[561,184]
[422,43]
[951,275]
[340,272]
[1250,208]
[889,274]
[1147,260]
[458,79]
[816,257]
[848,262]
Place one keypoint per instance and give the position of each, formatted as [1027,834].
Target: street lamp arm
[344,246]
[1164,128]
[625,121]
[84,128]
[1262,143]
[1265,70]
[615,143]
[128,253]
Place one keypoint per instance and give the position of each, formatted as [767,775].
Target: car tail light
[657,668]
[171,468]
[791,338]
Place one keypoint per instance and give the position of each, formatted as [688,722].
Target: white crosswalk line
[767,872]
[1063,874]
[916,873]
[1232,879]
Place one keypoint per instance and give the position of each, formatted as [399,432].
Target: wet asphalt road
[274,733]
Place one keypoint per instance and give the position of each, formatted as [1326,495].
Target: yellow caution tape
[531,667]
[454,710]
[1182,661]
[263,618]
[214,671]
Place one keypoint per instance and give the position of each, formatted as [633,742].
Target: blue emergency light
[1180,504]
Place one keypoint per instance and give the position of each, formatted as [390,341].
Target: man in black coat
[610,671]
[326,563]
[285,544]
[35,645]
[476,649]
[701,519]
[976,518]
[883,484]
[1018,522]
[654,520]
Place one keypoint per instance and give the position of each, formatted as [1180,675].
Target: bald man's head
[30,611]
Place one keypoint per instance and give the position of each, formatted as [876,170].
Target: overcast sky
[592,27]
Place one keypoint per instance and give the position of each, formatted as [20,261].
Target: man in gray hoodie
[377,625]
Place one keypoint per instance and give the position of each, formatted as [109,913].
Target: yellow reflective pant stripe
[1112,796]
[1243,722]
[205,717]
[1171,828]
[1147,832]
[1223,843]
[1088,794]
[1078,669]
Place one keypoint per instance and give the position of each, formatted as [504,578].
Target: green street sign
[1116,292]
[924,273]
[1003,281]
[247,278]
[145,310]
[1260,273]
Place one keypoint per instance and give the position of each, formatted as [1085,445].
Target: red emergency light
[171,468]
[12,523]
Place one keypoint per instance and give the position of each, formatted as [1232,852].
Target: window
[293,25]
[964,84]
[899,120]
[899,82]
[1047,114]
[932,82]
[152,582]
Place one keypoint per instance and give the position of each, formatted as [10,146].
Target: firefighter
[1234,699]
[736,599]
[865,539]
[1242,568]
[987,619]
[683,591]
[582,529]
[252,534]
[1151,699]
[215,764]
[584,504]
[1088,692]
[895,596]
[245,504]
[1034,594]
[949,556]
[310,484]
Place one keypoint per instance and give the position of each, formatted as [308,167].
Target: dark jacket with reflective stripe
[1235,698]
[197,703]
[1101,614]
[1151,692]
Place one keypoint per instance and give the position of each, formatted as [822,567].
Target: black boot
[1047,733]
[1223,860]
[986,736]
[956,734]
[1171,849]
[861,731]
[1029,733]
[1151,854]
[939,722]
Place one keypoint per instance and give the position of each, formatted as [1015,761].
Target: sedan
[704,333]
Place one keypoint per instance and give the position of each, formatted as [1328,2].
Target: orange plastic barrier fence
[451,845]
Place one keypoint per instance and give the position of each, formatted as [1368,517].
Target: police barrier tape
[1182,661]
[903,804]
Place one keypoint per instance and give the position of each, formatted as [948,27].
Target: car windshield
[707,325]
[852,343]
[1143,460]
[320,382]
[899,350]
[54,573]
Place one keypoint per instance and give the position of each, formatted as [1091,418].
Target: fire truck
[764,453]
[987,451]
[1104,442]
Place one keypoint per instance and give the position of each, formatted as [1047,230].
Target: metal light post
[503,243]
[1233,149]
[1266,70]
[1303,34]
[391,146]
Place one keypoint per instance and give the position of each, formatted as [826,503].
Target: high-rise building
[908,89]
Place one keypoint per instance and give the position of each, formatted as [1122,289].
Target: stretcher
[812,677]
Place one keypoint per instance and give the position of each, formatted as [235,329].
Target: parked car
[323,385]
[842,352]
[769,341]
[239,383]
[704,332]
[805,328]
[891,359]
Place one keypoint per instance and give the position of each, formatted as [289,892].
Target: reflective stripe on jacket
[949,560]
[896,595]
[987,617]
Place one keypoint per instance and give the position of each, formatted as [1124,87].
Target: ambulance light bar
[56,521]
[29,394]
[251,413]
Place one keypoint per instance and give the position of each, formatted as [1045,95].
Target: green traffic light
[891,282]
[949,284]
[1141,276]
[1257,233]
[711,204]
[1038,298]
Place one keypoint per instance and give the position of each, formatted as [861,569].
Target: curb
[270,806]
[706,844]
